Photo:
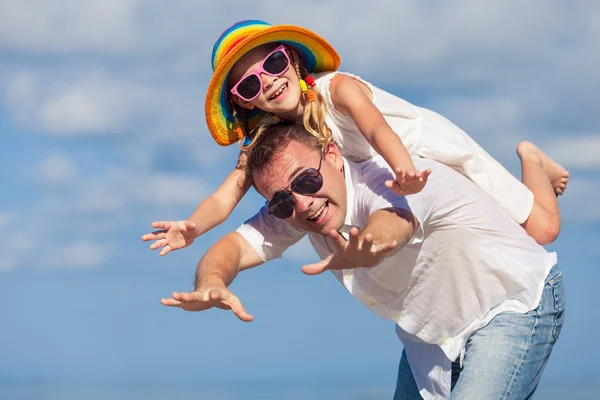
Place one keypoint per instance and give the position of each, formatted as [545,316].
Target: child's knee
[544,227]
[549,234]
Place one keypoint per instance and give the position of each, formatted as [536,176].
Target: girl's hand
[354,253]
[408,182]
[173,235]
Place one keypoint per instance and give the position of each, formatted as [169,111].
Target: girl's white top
[429,135]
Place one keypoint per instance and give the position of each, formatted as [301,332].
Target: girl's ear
[242,103]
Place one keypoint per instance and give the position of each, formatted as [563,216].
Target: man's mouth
[278,92]
[321,212]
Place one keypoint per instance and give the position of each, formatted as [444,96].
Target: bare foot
[557,175]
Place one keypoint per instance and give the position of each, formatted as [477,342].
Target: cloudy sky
[103,131]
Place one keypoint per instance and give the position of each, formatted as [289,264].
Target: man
[477,303]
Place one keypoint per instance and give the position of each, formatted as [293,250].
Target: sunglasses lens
[276,63]
[249,87]
[309,182]
[282,205]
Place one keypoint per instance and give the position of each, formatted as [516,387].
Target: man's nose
[302,202]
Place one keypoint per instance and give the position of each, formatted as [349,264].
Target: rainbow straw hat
[316,54]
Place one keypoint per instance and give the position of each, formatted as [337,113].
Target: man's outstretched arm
[215,272]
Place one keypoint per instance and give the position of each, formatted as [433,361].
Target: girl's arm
[212,211]
[215,209]
[353,98]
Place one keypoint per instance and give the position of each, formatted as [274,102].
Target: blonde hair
[313,118]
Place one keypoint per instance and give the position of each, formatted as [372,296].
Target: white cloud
[7,218]
[14,250]
[81,103]
[576,150]
[166,189]
[99,197]
[580,201]
[7,263]
[67,25]
[57,169]
[79,254]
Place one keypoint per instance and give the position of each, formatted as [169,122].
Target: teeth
[318,213]
[279,91]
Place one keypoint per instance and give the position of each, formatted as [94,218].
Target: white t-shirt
[467,262]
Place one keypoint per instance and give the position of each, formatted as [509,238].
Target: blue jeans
[506,358]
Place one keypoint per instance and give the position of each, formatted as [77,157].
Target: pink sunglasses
[275,64]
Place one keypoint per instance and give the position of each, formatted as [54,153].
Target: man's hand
[205,298]
[355,253]
[408,182]
[173,235]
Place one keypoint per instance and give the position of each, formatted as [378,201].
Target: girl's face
[280,95]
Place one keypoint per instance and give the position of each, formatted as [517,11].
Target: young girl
[261,76]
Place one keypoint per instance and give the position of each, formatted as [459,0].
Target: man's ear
[242,103]
[333,153]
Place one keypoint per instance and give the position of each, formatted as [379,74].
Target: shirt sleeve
[269,236]
[373,195]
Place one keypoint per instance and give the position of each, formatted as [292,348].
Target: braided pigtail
[315,108]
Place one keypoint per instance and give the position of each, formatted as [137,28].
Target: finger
[353,239]
[184,296]
[165,250]
[426,173]
[171,303]
[154,235]
[397,188]
[367,242]
[384,248]
[317,268]
[190,226]
[161,225]
[389,184]
[411,174]
[337,239]
[237,308]
[215,295]
[158,243]
[400,175]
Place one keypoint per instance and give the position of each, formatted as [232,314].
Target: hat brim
[316,53]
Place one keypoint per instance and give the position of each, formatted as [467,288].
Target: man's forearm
[221,263]
[219,266]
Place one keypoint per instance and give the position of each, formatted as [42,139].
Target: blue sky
[102,128]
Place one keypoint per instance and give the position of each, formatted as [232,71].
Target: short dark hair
[272,140]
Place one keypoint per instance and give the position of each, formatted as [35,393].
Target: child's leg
[546,179]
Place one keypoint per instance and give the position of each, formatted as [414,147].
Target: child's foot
[558,176]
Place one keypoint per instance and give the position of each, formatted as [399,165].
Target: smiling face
[319,212]
[280,94]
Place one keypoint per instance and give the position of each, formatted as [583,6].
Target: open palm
[172,235]
[355,253]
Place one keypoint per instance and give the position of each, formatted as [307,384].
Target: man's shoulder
[372,171]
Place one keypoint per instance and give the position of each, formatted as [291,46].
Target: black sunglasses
[309,181]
